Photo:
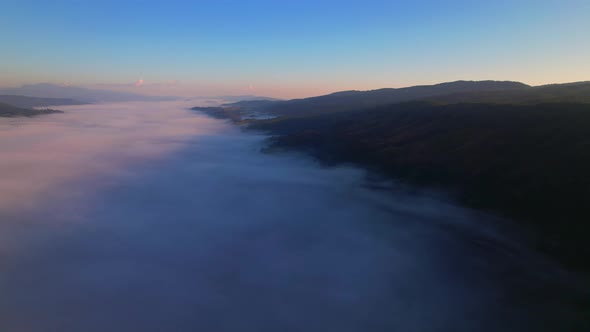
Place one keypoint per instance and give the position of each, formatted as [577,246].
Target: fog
[151,217]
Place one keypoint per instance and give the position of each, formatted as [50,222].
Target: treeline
[13,111]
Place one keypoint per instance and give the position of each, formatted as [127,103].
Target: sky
[290,48]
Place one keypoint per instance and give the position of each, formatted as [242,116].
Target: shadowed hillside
[527,162]
[519,151]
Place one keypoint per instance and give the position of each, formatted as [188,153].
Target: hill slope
[48,90]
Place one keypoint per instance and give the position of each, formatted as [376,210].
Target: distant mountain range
[30,102]
[84,95]
[72,95]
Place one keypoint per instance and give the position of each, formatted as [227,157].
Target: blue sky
[291,48]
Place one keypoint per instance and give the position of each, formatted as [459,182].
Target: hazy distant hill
[48,90]
[11,111]
[30,102]
[233,99]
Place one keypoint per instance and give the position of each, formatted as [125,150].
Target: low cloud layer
[148,217]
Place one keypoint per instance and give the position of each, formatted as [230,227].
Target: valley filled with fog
[151,217]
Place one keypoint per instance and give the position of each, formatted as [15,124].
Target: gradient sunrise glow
[290,48]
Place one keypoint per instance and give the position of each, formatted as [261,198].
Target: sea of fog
[143,217]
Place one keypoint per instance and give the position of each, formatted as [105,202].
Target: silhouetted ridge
[351,100]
